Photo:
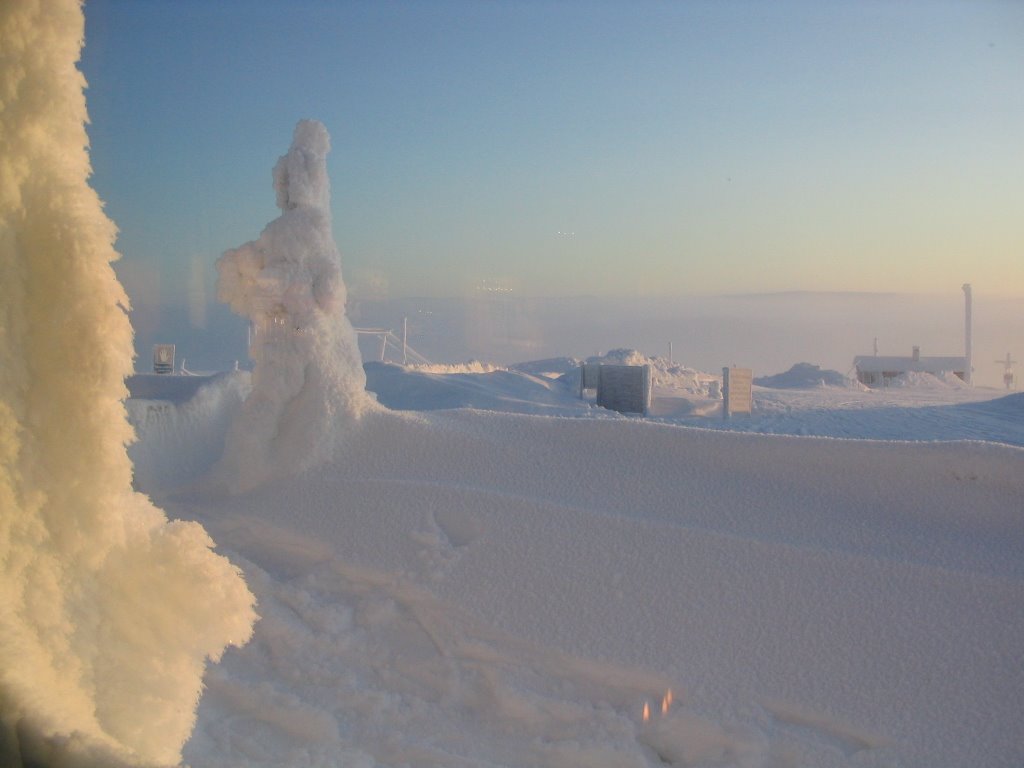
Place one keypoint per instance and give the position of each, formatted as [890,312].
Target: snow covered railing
[387,336]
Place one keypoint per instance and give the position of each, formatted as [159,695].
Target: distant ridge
[671,297]
[806,294]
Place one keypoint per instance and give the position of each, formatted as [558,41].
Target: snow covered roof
[880,363]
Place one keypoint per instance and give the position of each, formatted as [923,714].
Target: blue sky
[574,148]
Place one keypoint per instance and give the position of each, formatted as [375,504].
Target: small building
[879,370]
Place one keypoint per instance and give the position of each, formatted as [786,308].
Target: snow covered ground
[474,566]
[496,573]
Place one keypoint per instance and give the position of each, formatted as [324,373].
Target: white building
[879,370]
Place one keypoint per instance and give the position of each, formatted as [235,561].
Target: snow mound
[423,388]
[170,388]
[804,375]
[473,588]
[549,366]
[467,588]
[470,366]
[667,377]
[183,438]
[922,380]
[1007,409]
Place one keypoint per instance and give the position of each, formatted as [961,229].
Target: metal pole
[725,392]
[967,330]
[405,340]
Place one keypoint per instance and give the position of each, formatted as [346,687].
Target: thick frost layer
[480,589]
[107,611]
[308,381]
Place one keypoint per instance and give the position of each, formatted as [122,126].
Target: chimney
[967,332]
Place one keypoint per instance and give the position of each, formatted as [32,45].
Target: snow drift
[107,610]
[478,589]
[308,383]
[803,375]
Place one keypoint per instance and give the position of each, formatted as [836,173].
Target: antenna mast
[1007,370]
[967,331]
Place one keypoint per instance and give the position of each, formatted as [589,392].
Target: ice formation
[308,380]
[108,612]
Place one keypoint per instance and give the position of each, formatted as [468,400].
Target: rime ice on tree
[308,379]
[108,611]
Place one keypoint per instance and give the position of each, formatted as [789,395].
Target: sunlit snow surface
[472,587]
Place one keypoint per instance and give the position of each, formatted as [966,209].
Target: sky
[569,148]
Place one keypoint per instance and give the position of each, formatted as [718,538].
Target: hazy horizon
[668,152]
[769,332]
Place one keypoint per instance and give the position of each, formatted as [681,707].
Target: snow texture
[485,583]
[108,612]
[803,375]
[308,384]
[475,588]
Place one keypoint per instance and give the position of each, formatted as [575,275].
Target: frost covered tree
[308,380]
[108,611]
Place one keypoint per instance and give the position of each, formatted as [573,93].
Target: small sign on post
[163,358]
[737,391]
